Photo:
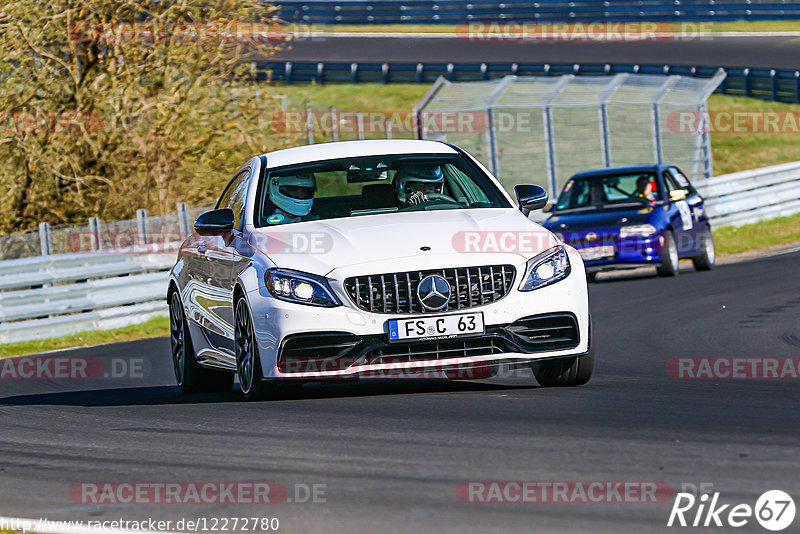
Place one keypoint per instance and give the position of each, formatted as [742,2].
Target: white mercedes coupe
[356,259]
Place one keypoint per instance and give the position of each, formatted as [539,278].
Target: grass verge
[779,231]
[156,327]
[740,138]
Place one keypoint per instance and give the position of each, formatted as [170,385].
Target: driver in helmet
[414,184]
[293,197]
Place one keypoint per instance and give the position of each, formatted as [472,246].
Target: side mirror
[530,197]
[214,222]
[678,194]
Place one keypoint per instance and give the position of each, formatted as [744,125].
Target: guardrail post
[420,73]
[94,231]
[450,71]
[320,73]
[141,226]
[287,73]
[797,86]
[385,73]
[44,239]
[183,219]
[748,90]
[774,76]
[354,72]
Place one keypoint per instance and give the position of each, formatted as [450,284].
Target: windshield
[370,185]
[608,190]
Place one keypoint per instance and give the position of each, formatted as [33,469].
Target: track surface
[392,454]
[754,52]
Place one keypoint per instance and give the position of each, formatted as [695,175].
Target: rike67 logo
[774,510]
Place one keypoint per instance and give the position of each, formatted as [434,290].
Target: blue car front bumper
[608,251]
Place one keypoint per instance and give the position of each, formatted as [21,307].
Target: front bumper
[277,323]
[628,253]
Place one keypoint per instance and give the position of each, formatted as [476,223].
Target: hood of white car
[428,239]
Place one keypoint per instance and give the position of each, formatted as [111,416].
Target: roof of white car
[349,149]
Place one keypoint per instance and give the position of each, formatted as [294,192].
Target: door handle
[201,248]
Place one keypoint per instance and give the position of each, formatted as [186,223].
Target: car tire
[189,374]
[248,363]
[669,256]
[566,372]
[705,261]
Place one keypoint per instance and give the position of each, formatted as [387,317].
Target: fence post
[360,123]
[141,226]
[44,239]
[334,123]
[605,139]
[658,149]
[183,219]
[388,129]
[549,139]
[309,124]
[94,231]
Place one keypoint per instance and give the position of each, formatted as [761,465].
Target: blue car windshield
[608,190]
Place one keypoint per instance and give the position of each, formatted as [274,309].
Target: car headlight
[301,288]
[546,268]
[643,230]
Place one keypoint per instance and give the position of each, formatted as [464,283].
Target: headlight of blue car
[545,269]
[642,230]
[301,288]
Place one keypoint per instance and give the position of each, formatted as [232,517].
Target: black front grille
[435,350]
[397,292]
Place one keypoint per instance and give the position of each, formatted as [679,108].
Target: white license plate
[597,253]
[437,327]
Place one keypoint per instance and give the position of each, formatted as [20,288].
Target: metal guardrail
[766,84]
[751,196]
[53,296]
[460,11]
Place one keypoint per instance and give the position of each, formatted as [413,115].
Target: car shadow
[168,395]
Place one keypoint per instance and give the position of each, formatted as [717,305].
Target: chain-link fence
[542,130]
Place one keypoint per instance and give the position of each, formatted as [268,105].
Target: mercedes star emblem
[433,292]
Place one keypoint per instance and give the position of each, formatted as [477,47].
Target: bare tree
[108,106]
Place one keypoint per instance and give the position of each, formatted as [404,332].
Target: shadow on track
[169,395]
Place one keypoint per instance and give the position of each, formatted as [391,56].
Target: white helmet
[293,194]
[424,178]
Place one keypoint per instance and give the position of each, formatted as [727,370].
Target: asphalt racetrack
[391,455]
[714,51]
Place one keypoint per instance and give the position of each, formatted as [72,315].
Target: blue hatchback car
[628,217]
